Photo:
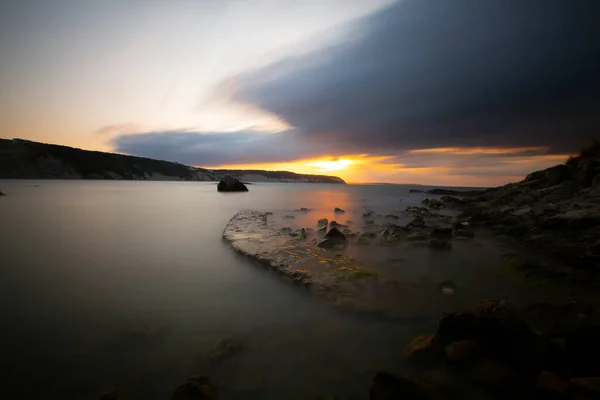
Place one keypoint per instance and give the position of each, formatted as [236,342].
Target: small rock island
[230,183]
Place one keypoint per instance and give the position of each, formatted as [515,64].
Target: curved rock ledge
[341,280]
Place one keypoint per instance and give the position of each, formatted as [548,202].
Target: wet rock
[551,384]
[2,194]
[335,233]
[435,204]
[338,210]
[392,216]
[196,388]
[224,349]
[369,222]
[439,244]
[418,222]
[268,213]
[289,217]
[442,233]
[417,238]
[333,238]
[300,233]
[494,325]
[423,349]
[368,235]
[346,231]
[287,230]
[303,209]
[367,214]
[415,191]
[386,386]
[322,224]
[228,183]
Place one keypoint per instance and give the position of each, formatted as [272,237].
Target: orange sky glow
[442,166]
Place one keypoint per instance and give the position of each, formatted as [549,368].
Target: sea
[129,284]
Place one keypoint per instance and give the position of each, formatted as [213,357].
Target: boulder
[334,224]
[196,388]
[322,224]
[461,351]
[338,210]
[439,244]
[229,183]
[422,350]
[335,233]
[442,233]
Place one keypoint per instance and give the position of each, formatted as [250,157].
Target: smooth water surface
[130,284]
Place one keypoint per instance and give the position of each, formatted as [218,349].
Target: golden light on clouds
[450,166]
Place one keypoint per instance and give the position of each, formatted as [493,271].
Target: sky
[458,93]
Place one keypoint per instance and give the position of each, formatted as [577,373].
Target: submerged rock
[229,183]
[289,217]
[338,210]
[224,349]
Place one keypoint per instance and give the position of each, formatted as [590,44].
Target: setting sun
[331,165]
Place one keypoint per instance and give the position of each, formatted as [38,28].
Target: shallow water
[130,284]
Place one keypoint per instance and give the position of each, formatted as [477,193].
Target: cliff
[277,176]
[26,159]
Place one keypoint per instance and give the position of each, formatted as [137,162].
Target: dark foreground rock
[2,194]
[229,183]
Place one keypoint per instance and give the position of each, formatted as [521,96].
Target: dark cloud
[430,73]
[198,148]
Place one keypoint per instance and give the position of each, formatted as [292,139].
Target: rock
[224,349]
[392,216]
[229,183]
[304,209]
[415,191]
[322,224]
[287,230]
[464,233]
[495,326]
[338,210]
[335,233]
[289,217]
[416,238]
[442,233]
[196,388]
[300,233]
[2,194]
[331,242]
[439,244]
[368,235]
[418,222]
[558,174]
[550,383]
[362,240]
[367,214]
[460,225]
[587,385]
[422,350]
[461,351]
[369,222]
[447,287]
[435,204]
[386,386]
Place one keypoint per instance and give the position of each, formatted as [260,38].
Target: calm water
[130,284]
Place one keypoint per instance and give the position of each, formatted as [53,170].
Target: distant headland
[24,159]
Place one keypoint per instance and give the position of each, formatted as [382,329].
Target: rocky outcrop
[230,184]
[555,211]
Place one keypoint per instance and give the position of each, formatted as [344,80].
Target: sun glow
[331,165]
